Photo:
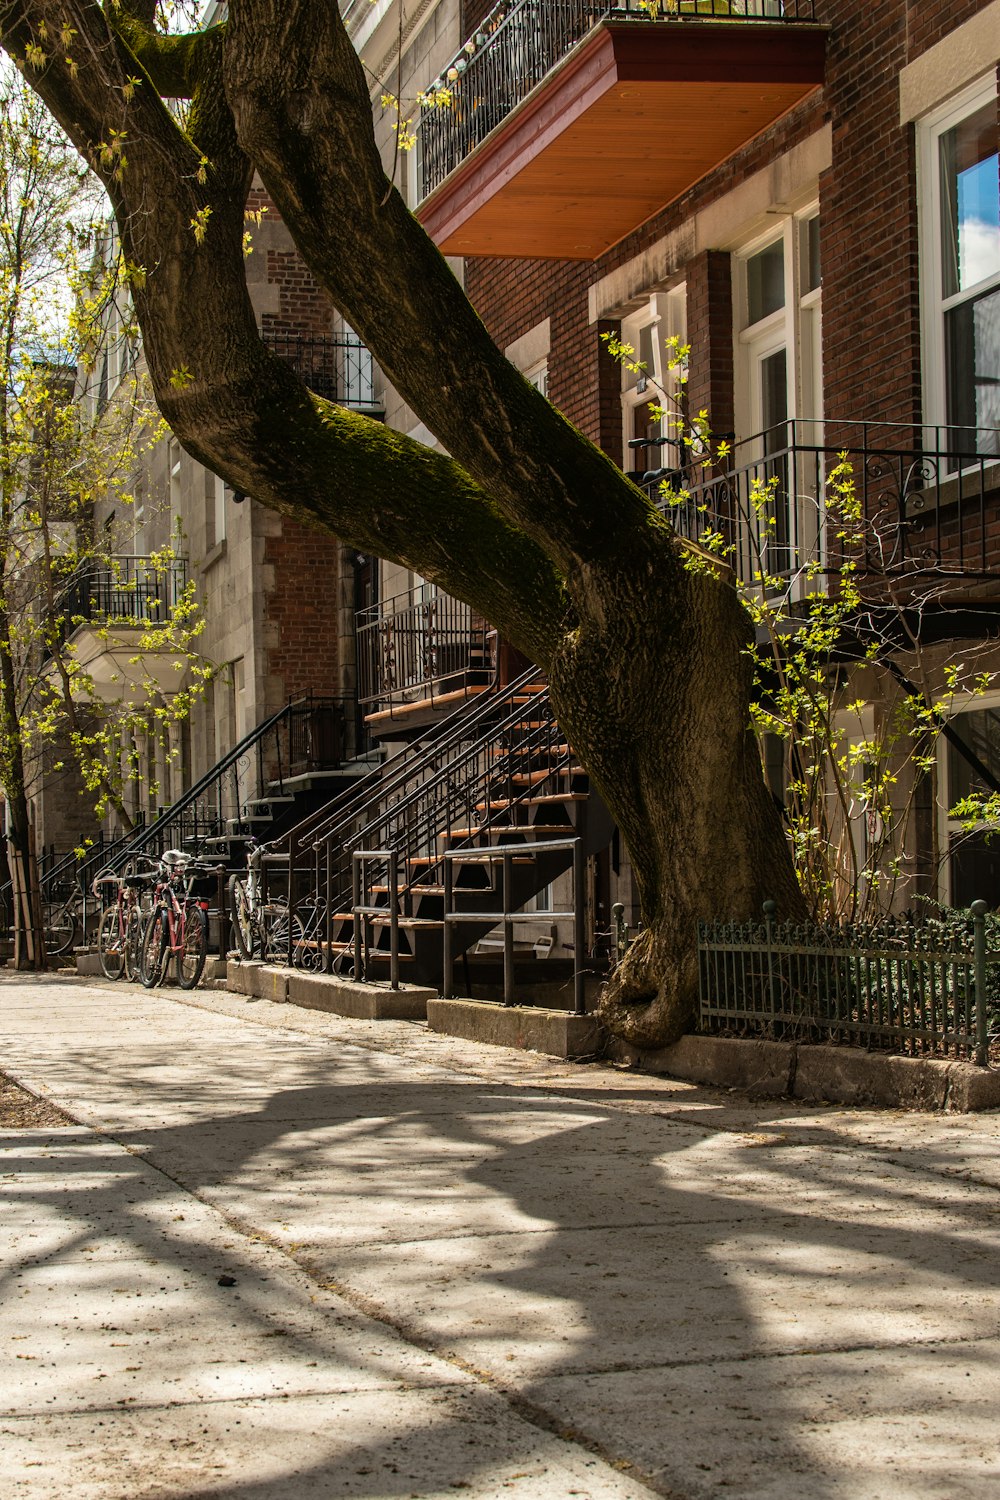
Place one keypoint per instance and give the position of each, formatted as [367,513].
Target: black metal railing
[518,44]
[124,590]
[338,367]
[500,749]
[421,645]
[926,985]
[926,501]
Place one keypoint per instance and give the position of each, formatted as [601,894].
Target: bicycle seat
[175,857]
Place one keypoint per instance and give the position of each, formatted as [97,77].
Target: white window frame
[666,312]
[965,703]
[933,303]
[796,327]
[538,376]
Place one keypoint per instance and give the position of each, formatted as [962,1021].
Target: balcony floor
[632,118]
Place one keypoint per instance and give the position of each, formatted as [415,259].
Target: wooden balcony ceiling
[632,118]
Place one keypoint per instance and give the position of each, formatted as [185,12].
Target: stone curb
[556,1033]
[811,1072]
[328,992]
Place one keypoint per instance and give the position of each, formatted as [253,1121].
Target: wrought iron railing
[477,771]
[421,645]
[124,590]
[928,985]
[927,500]
[338,367]
[518,43]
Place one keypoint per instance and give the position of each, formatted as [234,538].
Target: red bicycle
[177,928]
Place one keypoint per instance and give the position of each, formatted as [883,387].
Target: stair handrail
[145,836]
[72,862]
[450,772]
[376,841]
[323,824]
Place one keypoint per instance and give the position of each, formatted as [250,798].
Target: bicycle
[60,917]
[259,926]
[177,927]
[121,924]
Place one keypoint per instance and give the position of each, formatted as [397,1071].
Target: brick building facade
[872,200]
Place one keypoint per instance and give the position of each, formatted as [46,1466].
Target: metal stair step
[408,922]
[520,829]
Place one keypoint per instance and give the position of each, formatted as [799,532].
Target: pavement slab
[282,1254]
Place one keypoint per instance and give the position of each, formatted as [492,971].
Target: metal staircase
[368,878]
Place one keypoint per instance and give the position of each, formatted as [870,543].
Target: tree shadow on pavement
[715,1307]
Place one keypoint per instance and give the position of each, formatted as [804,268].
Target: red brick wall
[868,229]
[710,334]
[302,606]
[303,306]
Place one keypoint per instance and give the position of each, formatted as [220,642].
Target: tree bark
[643,639]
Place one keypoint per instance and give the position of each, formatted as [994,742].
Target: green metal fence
[928,985]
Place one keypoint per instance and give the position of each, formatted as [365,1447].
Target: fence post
[358,919]
[393,921]
[979,910]
[446,977]
[769,909]
[508,929]
[220,895]
[579,931]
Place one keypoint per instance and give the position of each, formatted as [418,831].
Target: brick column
[710,334]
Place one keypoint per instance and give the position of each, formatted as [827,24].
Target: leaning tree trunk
[653,692]
[642,637]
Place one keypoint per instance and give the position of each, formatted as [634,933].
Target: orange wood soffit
[633,117]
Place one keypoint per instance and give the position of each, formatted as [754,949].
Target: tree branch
[303,114]
[230,402]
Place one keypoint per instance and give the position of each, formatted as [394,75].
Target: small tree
[830,627]
[54,464]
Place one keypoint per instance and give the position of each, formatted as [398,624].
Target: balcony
[338,367]
[419,652]
[571,122]
[107,609]
[927,524]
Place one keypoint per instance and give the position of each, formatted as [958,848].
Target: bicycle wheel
[243,922]
[153,952]
[60,928]
[194,947]
[274,935]
[111,943]
[135,924]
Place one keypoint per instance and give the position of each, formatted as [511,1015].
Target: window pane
[644,355]
[970,198]
[972,333]
[975,869]
[811,275]
[980,731]
[766,282]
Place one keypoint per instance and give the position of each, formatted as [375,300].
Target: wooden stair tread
[402,710]
[544,800]
[521,829]
[406,921]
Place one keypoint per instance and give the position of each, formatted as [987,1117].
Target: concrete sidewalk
[288,1255]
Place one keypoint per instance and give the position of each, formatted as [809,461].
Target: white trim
[786,185]
[951,64]
[933,303]
[532,347]
[962,703]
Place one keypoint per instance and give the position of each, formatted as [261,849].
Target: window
[973,865]
[215,510]
[652,444]
[960,258]
[538,376]
[778,296]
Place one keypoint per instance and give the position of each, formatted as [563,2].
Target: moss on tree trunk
[526,520]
